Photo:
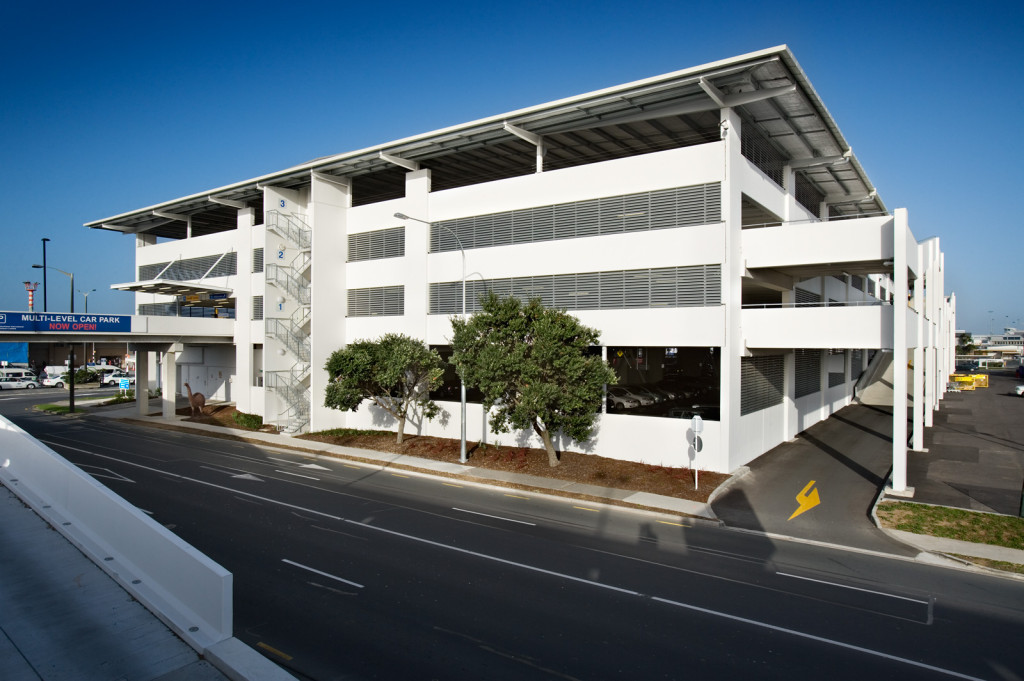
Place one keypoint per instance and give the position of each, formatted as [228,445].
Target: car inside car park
[17,382]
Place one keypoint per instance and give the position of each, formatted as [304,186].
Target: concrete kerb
[937,550]
[469,474]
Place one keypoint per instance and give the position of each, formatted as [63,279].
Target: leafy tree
[532,366]
[395,372]
[965,344]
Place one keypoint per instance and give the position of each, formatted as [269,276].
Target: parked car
[1019,390]
[114,378]
[17,382]
[48,381]
[628,393]
[619,398]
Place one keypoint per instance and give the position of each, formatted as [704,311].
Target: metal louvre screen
[664,209]
[808,372]
[807,195]
[856,364]
[257,308]
[763,380]
[257,260]
[379,301]
[191,269]
[804,297]
[377,245]
[693,286]
[759,151]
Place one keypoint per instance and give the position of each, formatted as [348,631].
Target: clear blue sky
[109,107]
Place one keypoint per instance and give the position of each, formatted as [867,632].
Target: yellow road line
[397,475]
[272,649]
[584,508]
[665,522]
[516,496]
[348,465]
[451,485]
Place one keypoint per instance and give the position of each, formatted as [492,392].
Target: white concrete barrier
[189,592]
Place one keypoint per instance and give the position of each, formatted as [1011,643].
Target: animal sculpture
[196,400]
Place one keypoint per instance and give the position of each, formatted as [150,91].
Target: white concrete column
[170,383]
[920,406]
[330,199]
[899,351]
[732,290]
[789,397]
[241,388]
[142,382]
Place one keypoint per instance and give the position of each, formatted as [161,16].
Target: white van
[17,372]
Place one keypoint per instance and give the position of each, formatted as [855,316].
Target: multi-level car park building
[712,223]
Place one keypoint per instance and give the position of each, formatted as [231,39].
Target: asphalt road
[349,572]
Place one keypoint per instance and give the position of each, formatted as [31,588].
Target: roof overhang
[768,88]
[167,287]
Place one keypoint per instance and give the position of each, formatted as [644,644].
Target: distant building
[712,223]
[1008,343]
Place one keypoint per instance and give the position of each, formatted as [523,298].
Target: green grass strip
[953,523]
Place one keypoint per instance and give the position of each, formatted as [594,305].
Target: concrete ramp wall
[189,592]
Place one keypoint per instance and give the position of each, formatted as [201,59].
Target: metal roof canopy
[768,88]
[167,287]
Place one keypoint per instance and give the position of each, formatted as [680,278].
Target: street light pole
[71,353]
[462,383]
[44,273]
[85,294]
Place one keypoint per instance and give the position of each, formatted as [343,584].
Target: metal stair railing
[292,282]
[295,339]
[291,227]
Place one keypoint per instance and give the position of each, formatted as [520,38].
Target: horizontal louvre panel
[663,209]
[804,297]
[257,260]
[257,308]
[808,372]
[694,286]
[376,302]
[856,364]
[836,378]
[376,245]
[762,381]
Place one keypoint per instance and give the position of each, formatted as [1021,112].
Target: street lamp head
[45,239]
[38,267]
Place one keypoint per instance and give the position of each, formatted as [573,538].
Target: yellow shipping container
[980,380]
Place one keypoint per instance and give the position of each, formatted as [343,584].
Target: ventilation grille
[257,308]
[836,378]
[759,151]
[762,383]
[807,195]
[379,301]
[857,283]
[257,260]
[191,269]
[680,207]
[695,286]
[804,297]
[808,372]
[376,245]
[857,366]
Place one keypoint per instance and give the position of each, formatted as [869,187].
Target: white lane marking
[314,466]
[706,611]
[274,458]
[854,588]
[322,574]
[496,517]
[247,476]
[200,482]
[97,472]
[307,477]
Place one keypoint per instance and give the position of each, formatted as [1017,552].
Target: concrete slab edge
[239,662]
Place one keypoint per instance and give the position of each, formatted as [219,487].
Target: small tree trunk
[546,436]
[401,429]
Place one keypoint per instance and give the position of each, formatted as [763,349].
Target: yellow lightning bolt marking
[808,499]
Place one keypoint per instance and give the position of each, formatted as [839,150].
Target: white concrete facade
[802,290]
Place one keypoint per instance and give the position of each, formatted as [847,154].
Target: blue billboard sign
[58,321]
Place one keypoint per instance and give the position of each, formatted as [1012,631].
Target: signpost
[697,424]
